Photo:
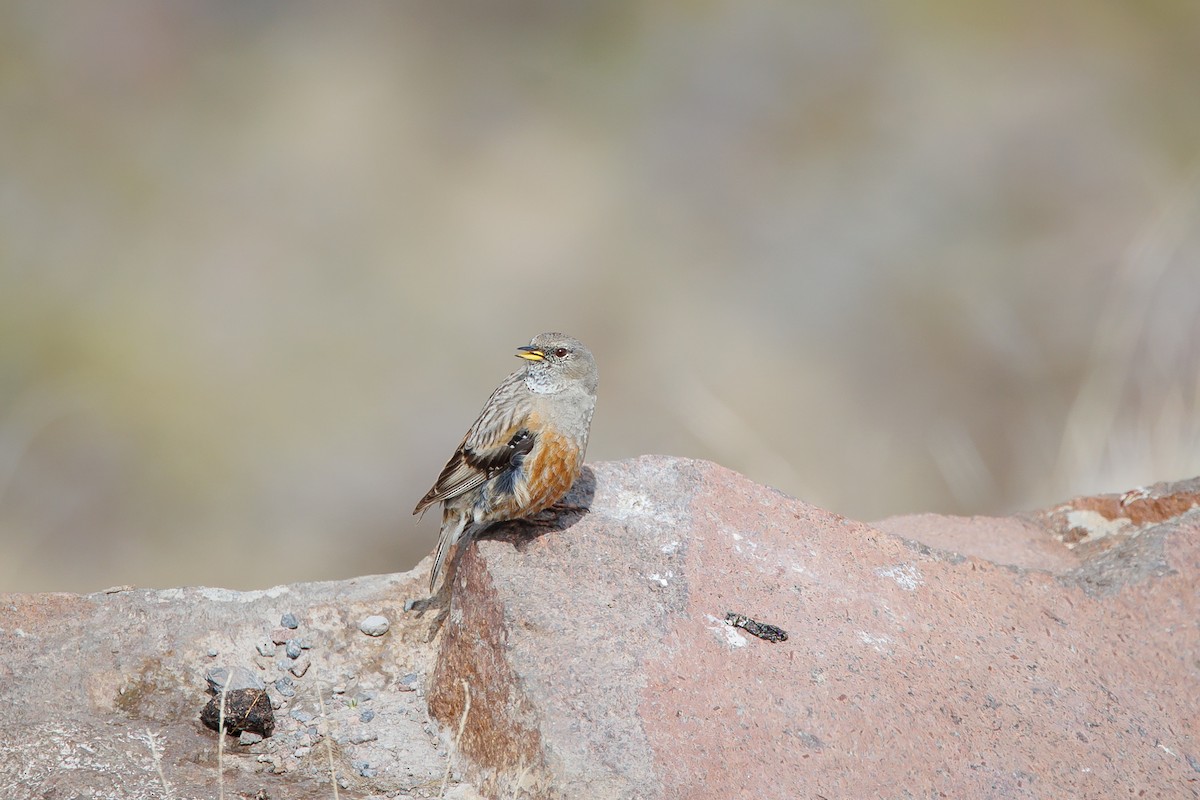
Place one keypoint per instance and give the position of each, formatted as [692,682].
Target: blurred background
[262,262]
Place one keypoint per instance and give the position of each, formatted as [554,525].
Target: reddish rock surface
[1052,655]
[926,657]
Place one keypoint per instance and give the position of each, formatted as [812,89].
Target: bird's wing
[500,435]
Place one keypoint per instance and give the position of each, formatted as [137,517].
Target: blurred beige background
[262,262]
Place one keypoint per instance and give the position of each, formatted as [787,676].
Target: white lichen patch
[1094,524]
[632,505]
[661,581]
[726,634]
[880,644]
[742,544]
[906,576]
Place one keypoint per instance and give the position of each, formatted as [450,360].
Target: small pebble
[374,625]
[300,665]
[238,677]
[301,716]
[306,643]
[409,682]
[301,752]
[212,652]
[292,648]
[367,715]
[338,688]
[265,648]
[364,769]
[360,737]
[409,604]
[289,620]
[249,737]
[280,635]
[285,686]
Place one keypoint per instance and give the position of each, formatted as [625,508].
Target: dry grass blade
[462,724]
[328,745]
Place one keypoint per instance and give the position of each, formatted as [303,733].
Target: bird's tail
[452,529]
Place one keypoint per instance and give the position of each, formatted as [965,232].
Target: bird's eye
[560,352]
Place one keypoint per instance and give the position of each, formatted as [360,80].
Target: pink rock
[925,657]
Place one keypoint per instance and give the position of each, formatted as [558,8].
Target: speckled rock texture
[1052,655]
[101,695]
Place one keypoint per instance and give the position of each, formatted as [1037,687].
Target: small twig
[156,755]
[462,724]
[328,745]
[221,736]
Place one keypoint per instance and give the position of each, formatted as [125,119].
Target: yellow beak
[531,353]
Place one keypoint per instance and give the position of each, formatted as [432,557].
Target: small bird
[525,449]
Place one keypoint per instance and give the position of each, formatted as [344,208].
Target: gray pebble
[364,769]
[265,648]
[249,738]
[289,620]
[374,625]
[409,604]
[306,643]
[285,686]
[300,665]
[292,648]
[238,677]
[367,715]
[409,682]
[212,652]
[360,737]
[301,716]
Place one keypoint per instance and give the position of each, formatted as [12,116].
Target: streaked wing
[492,444]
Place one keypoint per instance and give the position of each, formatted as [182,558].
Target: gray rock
[907,654]
[238,678]
[374,625]
[301,665]
[289,621]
